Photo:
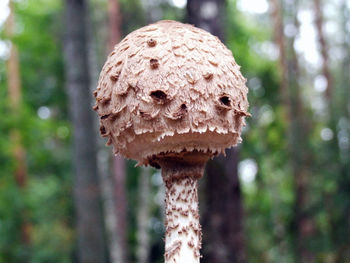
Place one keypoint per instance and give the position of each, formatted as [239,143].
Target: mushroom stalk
[183,235]
[182,228]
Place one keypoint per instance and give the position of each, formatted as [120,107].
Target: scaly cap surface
[170,87]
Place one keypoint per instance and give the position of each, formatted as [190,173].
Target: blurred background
[283,195]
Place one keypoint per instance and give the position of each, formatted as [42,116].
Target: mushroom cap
[170,87]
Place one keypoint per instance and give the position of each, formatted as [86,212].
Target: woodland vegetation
[282,195]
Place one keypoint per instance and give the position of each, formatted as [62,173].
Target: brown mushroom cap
[171,87]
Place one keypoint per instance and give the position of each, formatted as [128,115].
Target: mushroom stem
[183,231]
[182,228]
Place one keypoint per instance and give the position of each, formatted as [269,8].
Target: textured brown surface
[170,87]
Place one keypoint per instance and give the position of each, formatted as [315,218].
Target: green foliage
[45,204]
[269,200]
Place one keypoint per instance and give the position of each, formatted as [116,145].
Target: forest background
[283,195]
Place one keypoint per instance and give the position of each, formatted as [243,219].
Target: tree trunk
[110,215]
[277,17]
[207,14]
[224,201]
[346,61]
[324,49]
[297,127]
[105,171]
[301,154]
[143,216]
[222,224]
[86,187]
[14,91]
[114,23]
[114,35]
[120,202]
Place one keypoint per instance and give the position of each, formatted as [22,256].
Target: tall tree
[15,98]
[114,35]
[297,127]
[337,99]
[301,154]
[86,187]
[143,216]
[223,218]
[346,61]
[106,177]
[120,202]
[114,23]
[224,241]
[324,48]
[277,17]
[109,207]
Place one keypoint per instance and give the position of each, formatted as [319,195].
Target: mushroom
[172,96]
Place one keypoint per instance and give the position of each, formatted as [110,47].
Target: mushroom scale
[171,87]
